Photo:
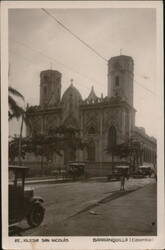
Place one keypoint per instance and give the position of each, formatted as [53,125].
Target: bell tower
[50,87]
[120,77]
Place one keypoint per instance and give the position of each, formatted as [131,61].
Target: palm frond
[15,111]
[15,92]
[27,120]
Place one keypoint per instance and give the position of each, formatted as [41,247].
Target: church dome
[70,103]
[73,92]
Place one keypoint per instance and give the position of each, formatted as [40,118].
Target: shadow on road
[114,195]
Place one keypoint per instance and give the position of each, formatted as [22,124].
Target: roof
[141,131]
[92,96]
[121,56]
[145,167]
[16,167]
[124,167]
[77,163]
[49,72]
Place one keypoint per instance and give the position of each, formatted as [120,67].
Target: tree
[45,145]
[15,111]
[14,150]
[129,149]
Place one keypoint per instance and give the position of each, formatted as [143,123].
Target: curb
[50,181]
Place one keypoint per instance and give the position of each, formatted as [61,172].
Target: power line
[73,34]
[73,70]
[87,45]
[142,75]
[144,87]
[141,85]
[56,61]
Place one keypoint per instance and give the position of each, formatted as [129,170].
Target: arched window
[117,81]
[91,130]
[111,137]
[91,151]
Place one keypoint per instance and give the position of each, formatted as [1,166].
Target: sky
[37,42]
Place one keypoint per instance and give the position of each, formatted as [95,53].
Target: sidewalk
[133,214]
[52,179]
[45,180]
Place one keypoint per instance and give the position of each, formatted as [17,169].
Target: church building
[102,121]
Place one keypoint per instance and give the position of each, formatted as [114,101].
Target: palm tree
[15,111]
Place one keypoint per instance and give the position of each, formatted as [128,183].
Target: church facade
[102,121]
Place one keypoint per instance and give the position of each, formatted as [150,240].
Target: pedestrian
[122,182]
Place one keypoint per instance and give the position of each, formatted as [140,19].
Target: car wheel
[36,215]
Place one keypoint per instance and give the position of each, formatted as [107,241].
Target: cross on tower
[121,51]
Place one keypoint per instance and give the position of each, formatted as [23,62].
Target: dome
[71,91]
[71,102]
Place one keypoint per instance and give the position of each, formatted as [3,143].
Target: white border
[157,242]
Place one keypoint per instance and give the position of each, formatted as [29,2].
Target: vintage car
[76,170]
[117,172]
[59,173]
[22,203]
[142,172]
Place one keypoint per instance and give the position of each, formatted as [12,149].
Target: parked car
[22,203]
[142,172]
[76,170]
[137,174]
[117,172]
[146,170]
[59,173]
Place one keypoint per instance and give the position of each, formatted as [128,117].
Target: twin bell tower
[120,82]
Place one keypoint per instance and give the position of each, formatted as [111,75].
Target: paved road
[63,201]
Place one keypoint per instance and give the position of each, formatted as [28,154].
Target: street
[81,208]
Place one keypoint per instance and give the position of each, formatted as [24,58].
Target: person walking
[122,182]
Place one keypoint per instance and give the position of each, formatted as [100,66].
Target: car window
[11,177]
[15,178]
